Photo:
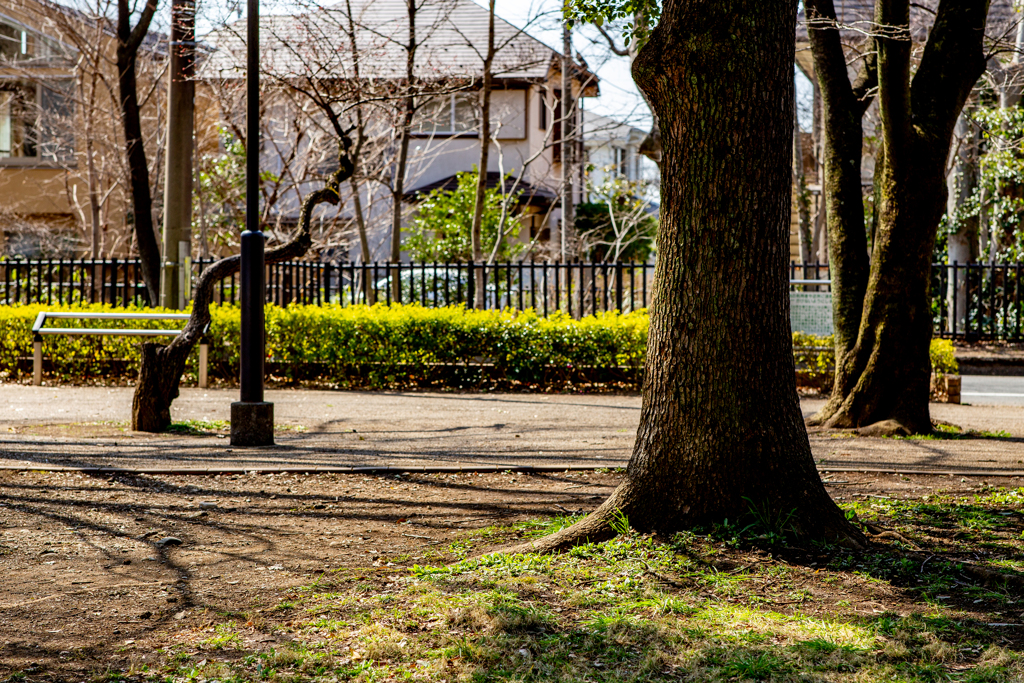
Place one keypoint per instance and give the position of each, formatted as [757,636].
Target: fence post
[204,356]
[37,360]
[471,287]
[618,286]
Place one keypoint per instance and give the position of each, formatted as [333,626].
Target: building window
[36,121]
[13,43]
[621,161]
[539,230]
[18,121]
[18,44]
[447,115]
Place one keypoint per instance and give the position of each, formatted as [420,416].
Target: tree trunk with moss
[721,432]
[163,365]
[882,312]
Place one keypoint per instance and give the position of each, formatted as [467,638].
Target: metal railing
[67,281]
[574,288]
[978,301]
[973,301]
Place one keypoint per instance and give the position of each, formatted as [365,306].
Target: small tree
[617,224]
[442,228]
[997,192]
[129,41]
[163,365]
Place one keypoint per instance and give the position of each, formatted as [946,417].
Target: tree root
[893,535]
[593,528]
[599,526]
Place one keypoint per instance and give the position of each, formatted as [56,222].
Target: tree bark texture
[842,107]
[128,42]
[720,426]
[163,365]
[884,374]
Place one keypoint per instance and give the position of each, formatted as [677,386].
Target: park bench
[38,331]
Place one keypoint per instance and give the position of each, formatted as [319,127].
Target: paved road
[88,426]
[992,390]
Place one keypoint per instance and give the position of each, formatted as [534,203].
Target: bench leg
[37,363]
[204,353]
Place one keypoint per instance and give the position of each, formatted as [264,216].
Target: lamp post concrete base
[252,424]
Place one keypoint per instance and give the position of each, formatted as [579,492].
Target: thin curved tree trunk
[721,430]
[129,41]
[163,365]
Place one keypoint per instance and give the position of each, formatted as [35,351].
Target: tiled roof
[452,36]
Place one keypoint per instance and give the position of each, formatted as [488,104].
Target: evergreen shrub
[392,346]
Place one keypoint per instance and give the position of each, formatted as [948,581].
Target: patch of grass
[693,607]
[226,636]
[942,431]
[199,427]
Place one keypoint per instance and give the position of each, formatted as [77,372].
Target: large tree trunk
[720,427]
[885,374]
[163,366]
[128,42]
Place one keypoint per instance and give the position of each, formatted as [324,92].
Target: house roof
[452,37]
[532,195]
[599,130]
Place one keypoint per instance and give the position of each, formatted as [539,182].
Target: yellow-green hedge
[394,345]
[816,357]
[386,345]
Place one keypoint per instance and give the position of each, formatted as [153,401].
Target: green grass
[718,605]
[211,427]
[199,427]
[942,432]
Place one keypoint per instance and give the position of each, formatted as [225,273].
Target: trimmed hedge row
[816,358]
[393,346]
[374,346]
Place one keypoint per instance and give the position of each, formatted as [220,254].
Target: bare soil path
[84,426]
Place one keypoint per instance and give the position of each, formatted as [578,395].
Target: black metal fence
[574,288]
[66,281]
[977,301]
[972,301]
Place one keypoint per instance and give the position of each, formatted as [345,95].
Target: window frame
[419,130]
[39,160]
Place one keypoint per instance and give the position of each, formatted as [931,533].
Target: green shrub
[943,355]
[76,356]
[391,346]
[377,345]
[816,357]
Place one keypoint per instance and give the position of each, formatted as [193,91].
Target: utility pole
[567,111]
[176,280]
[252,418]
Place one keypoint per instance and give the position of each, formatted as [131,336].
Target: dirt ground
[89,426]
[106,572]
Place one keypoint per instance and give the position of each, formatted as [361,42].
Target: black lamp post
[252,418]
